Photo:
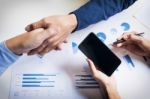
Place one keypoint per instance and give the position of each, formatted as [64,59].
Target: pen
[122,40]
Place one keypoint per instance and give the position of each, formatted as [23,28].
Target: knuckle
[50,41]
[54,45]
[39,50]
[34,25]
[44,20]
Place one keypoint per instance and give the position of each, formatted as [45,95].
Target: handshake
[50,32]
[44,35]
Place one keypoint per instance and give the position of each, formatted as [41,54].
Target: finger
[39,49]
[55,43]
[120,37]
[65,41]
[98,75]
[48,42]
[136,39]
[35,25]
[119,45]
[45,50]
[92,66]
[58,47]
[126,34]
[60,39]
[32,52]
[129,33]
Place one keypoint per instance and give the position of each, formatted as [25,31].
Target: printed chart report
[52,85]
[67,75]
[36,85]
[40,80]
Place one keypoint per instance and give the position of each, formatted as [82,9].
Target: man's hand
[27,41]
[109,82]
[59,27]
[135,44]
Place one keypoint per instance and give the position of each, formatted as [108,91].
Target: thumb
[35,25]
[98,75]
[40,34]
[92,66]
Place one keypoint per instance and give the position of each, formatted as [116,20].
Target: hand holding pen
[135,43]
[123,40]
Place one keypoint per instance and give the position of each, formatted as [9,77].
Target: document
[66,75]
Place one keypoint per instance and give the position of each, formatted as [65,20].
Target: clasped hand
[44,35]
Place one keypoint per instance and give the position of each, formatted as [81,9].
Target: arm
[11,49]
[7,57]
[135,44]
[61,26]
[98,10]
[108,82]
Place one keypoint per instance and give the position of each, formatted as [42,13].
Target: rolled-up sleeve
[7,57]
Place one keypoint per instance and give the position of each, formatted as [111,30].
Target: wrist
[112,92]
[14,45]
[72,22]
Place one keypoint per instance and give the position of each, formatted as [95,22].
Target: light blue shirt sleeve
[7,57]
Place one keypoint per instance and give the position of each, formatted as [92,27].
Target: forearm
[15,44]
[97,10]
[10,51]
[71,23]
[26,41]
[112,92]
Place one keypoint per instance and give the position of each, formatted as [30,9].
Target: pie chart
[125,26]
[101,36]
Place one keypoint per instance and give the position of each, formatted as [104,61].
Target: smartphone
[104,59]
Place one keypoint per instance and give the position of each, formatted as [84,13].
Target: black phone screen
[100,54]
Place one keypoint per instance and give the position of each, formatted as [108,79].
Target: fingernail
[119,45]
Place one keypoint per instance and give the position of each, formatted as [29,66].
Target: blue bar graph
[129,60]
[37,80]
[34,78]
[39,74]
[36,86]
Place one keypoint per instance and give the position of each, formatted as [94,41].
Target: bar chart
[33,85]
[85,81]
[38,80]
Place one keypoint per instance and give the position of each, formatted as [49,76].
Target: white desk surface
[16,14]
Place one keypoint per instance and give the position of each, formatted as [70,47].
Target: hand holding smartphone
[100,54]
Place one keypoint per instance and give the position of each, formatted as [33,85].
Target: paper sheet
[142,15]
[66,75]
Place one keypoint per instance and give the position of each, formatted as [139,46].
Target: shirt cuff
[12,54]
[7,57]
